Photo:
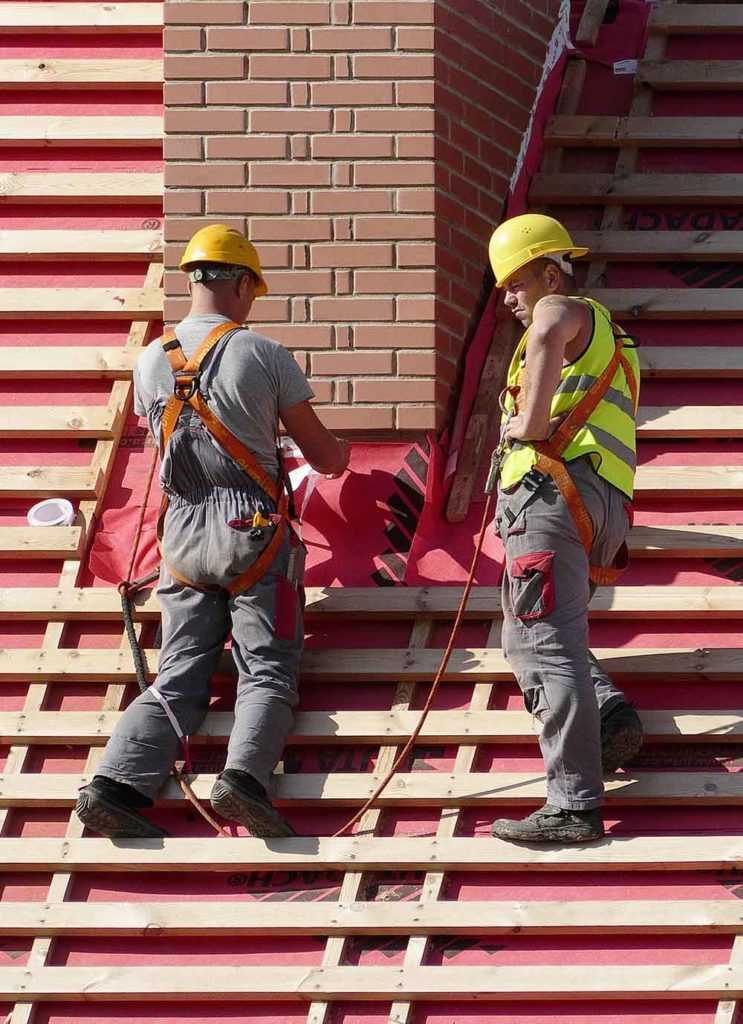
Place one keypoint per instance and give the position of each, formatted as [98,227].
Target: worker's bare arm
[324,451]
[556,323]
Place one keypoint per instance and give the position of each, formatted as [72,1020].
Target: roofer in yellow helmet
[213,392]
[566,466]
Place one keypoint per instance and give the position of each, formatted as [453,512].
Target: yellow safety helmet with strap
[218,243]
[519,240]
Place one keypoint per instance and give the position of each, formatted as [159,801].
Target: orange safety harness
[551,463]
[186,391]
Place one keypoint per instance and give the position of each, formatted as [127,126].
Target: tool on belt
[550,462]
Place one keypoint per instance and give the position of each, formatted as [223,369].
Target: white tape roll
[51,512]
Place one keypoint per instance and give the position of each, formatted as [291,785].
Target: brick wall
[365,146]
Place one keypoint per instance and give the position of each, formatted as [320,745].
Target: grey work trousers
[267,639]
[546,591]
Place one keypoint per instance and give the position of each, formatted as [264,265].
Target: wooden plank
[714,481]
[41,542]
[685,541]
[149,984]
[80,186]
[710,852]
[610,917]
[691,75]
[353,603]
[672,303]
[103,245]
[54,130]
[636,188]
[727,1009]
[410,789]
[467,664]
[687,420]
[701,361]
[86,303]
[36,482]
[117,363]
[391,727]
[84,363]
[656,132]
[649,246]
[28,421]
[696,19]
[23,17]
[591,21]
[78,73]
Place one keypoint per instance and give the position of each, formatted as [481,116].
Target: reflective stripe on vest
[609,435]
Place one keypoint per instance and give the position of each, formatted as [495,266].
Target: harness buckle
[185,384]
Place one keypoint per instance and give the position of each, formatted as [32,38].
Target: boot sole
[619,749]
[260,819]
[105,818]
[548,836]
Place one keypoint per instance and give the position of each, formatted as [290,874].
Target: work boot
[239,797]
[621,737]
[552,825]
[110,809]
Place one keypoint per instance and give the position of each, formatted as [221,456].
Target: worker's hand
[346,455]
[517,429]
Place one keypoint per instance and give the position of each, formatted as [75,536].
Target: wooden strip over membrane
[103,245]
[378,604]
[78,362]
[36,482]
[469,664]
[79,73]
[655,917]
[44,542]
[410,789]
[695,19]
[80,186]
[650,246]
[636,188]
[54,130]
[49,421]
[388,727]
[689,132]
[150,984]
[81,303]
[626,853]
[24,17]
[691,76]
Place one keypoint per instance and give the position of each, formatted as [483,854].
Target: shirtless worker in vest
[566,479]
[231,559]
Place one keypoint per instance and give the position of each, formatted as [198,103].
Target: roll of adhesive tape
[52,512]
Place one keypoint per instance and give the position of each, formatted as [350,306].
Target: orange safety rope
[437,678]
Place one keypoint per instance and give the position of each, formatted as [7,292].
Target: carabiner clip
[185,385]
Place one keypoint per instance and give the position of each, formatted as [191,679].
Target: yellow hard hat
[520,240]
[217,243]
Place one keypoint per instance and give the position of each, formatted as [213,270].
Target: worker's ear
[552,276]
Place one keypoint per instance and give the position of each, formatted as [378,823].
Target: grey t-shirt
[248,381]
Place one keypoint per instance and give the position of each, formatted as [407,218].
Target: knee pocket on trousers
[532,585]
[536,703]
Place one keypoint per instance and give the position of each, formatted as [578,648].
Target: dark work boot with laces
[237,796]
[552,825]
[111,809]
[621,737]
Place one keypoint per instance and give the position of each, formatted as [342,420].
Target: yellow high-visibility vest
[608,436]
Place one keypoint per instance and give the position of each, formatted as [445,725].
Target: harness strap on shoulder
[186,392]
[550,462]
